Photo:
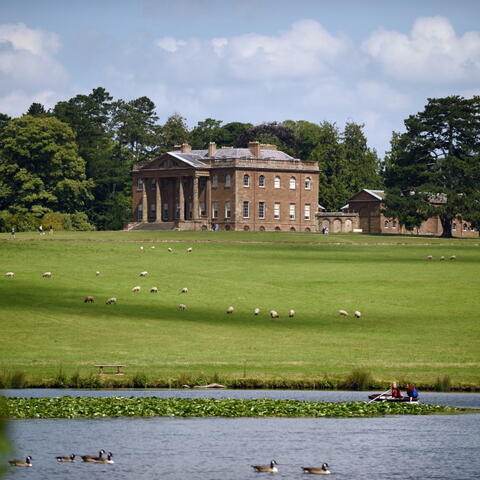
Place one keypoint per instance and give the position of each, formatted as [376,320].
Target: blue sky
[372,62]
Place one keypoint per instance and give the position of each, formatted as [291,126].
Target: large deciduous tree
[433,168]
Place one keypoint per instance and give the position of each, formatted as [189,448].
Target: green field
[420,318]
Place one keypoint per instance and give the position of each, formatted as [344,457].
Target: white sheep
[152,247]
[343,313]
[291,313]
[442,258]
[169,249]
[182,306]
[274,314]
[136,289]
[141,248]
[154,290]
[184,290]
[189,249]
[358,314]
[453,257]
[9,274]
[143,274]
[430,257]
[256,311]
[230,309]
[47,274]
[111,300]
[97,273]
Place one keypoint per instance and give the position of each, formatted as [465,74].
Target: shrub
[140,380]
[443,384]
[358,380]
[80,222]
[18,380]
[60,380]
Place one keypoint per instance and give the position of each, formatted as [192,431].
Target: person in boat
[395,391]
[412,392]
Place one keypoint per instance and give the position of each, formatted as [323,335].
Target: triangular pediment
[171,161]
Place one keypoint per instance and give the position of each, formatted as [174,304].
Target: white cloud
[432,52]
[170,44]
[37,42]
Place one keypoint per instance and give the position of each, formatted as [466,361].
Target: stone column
[181,199]
[208,199]
[158,202]
[195,198]
[144,201]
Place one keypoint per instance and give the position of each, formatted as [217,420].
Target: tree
[40,169]
[230,132]
[174,132]
[206,131]
[36,109]
[274,133]
[4,119]
[433,168]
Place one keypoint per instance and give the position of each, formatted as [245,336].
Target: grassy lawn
[420,318]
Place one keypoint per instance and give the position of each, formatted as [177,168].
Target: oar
[373,399]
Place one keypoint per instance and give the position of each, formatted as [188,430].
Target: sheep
[343,313]
[152,247]
[358,314]
[442,258]
[430,257]
[184,290]
[47,274]
[9,274]
[143,274]
[274,314]
[169,249]
[89,299]
[256,311]
[111,300]
[141,248]
[97,274]
[230,309]
[154,290]
[453,257]
[291,313]
[189,249]
[182,306]
[136,289]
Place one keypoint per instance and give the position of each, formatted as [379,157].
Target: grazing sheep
[89,299]
[182,306]
[169,249]
[141,248]
[343,313]
[189,249]
[430,257]
[9,274]
[97,274]
[111,300]
[154,290]
[136,289]
[274,314]
[358,314]
[143,274]
[152,247]
[442,258]
[230,309]
[47,275]
[184,290]
[256,311]
[291,313]
[453,257]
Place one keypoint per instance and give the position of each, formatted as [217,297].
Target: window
[177,210]
[228,180]
[214,181]
[246,209]
[214,209]
[276,211]
[386,224]
[394,224]
[293,183]
[153,207]
[292,211]
[308,183]
[465,227]
[261,210]
[454,226]
[165,211]
[139,184]
[307,212]
[246,180]
[140,213]
[261,181]
[228,211]
[202,208]
[153,183]
[277,183]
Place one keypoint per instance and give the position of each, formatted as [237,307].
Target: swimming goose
[323,470]
[266,468]
[105,460]
[93,458]
[21,463]
[71,458]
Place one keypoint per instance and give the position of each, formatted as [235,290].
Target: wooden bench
[118,367]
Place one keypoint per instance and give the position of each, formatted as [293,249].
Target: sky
[371,62]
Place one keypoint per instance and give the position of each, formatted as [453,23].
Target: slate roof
[193,159]
[223,153]
[380,194]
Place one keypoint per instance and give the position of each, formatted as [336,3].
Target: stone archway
[348,227]
[337,225]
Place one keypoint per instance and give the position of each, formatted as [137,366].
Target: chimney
[254,148]
[212,148]
[186,148]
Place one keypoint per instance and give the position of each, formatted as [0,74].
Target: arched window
[277,183]
[465,227]
[293,183]
[228,180]
[454,226]
[261,181]
[246,180]
[139,184]
[308,183]
[386,224]
[394,224]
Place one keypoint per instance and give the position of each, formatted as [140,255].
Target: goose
[323,470]
[105,460]
[93,458]
[71,458]
[21,463]
[266,468]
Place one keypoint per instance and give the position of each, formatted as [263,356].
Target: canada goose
[323,470]
[93,458]
[21,463]
[71,458]
[266,468]
[105,460]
